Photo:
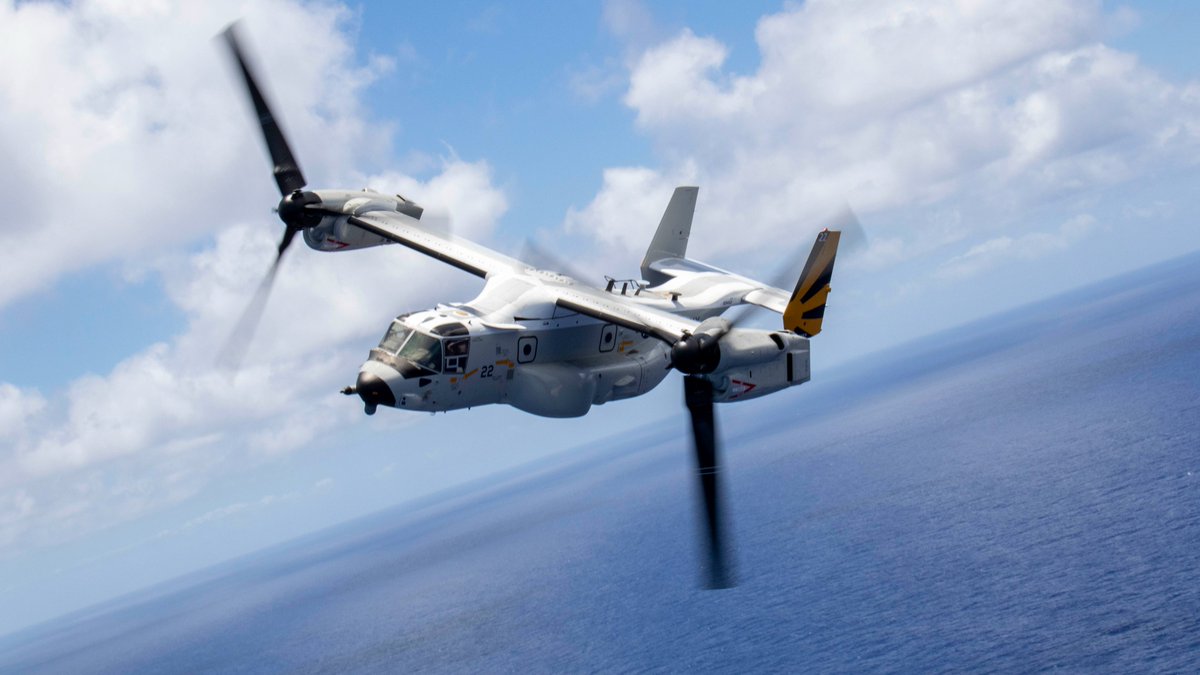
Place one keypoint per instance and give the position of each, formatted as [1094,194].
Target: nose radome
[374,391]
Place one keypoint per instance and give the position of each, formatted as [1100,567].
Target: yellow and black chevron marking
[807,307]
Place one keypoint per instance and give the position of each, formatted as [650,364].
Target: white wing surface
[461,253]
[623,311]
[482,261]
[692,277]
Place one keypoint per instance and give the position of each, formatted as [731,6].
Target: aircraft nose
[374,391]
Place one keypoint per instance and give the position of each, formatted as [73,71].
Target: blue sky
[990,168]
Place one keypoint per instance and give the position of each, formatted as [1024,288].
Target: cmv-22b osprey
[547,343]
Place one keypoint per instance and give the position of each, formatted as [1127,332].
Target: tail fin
[671,238]
[806,308]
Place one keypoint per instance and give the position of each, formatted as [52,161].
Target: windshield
[394,338]
[423,350]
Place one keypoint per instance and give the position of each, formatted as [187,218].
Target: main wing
[482,261]
[623,311]
[462,253]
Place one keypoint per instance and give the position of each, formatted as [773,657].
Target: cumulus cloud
[16,408]
[125,133]
[155,414]
[980,109]
[860,59]
[461,196]
[631,197]
[148,147]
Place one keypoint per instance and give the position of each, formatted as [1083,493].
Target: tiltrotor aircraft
[549,344]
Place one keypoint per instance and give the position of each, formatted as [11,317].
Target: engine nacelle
[787,367]
[335,233]
[745,347]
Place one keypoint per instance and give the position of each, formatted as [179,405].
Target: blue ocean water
[1019,494]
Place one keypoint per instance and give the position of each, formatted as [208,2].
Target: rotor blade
[853,239]
[287,172]
[738,316]
[698,394]
[284,243]
[239,340]
[533,254]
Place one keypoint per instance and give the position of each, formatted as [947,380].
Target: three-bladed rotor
[297,208]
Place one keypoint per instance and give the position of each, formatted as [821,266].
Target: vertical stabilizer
[806,309]
[671,238]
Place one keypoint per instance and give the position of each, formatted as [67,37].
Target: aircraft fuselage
[514,345]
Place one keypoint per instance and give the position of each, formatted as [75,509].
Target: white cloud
[147,145]
[125,132]
[833,65]
[1030,246]
[983,109]
[630,199]
[675,83]
[629,21]
[16,408]
[155,414]
[461,195]
[592,82]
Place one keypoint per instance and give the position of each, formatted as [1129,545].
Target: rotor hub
[696,354]
[294,211]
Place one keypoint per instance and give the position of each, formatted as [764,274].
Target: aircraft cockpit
[420,353]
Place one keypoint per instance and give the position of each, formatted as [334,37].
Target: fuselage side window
[456,354]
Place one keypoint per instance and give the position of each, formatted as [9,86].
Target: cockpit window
[422,353]
[456,354]
[395,337]
[423,350]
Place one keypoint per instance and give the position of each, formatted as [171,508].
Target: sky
[995,153]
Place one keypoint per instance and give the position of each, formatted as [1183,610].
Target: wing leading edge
[623,312]
[462,253]
[482,261]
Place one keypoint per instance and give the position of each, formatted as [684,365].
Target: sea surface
[1019,494]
